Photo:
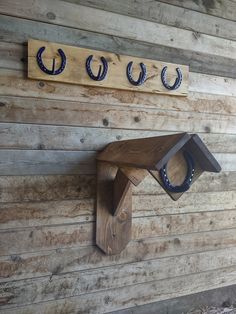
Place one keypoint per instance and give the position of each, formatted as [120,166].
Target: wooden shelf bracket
[126,163]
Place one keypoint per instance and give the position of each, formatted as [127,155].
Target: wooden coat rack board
[126,163]
[62,63]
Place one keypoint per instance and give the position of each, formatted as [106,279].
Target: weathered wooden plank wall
[49,135]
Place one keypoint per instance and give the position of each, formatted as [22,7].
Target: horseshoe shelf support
[177,82]
[124,164]
[102,73]
[53,71]
[142,75]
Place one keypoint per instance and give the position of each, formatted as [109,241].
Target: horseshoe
[53,71]
[101,74]
[177,82]
[187,181]
[142,74]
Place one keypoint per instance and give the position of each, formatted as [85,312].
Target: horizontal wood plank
[48,137]
[114,299]
[39,111]
[168,14]
[46,238]
[16,30]
[225,9]
[78,283]
[19,162]
[62,187]
[29,214]
[70,259]
[72,15]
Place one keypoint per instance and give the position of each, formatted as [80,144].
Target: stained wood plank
[46,238]
[18,162]
[70,259]
[16,30]
[59,188]
[114,299]
[117,67]
[168,14]
[71,15]
[77,283]
[121,117]
[29,214]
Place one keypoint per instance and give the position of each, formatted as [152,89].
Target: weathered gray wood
[70,259]
[225,9]
[168,14]
[30,136]
[15,30]
[214,298]
[29,214]
[76,16]
[77,283]
[69,235]
[30,162]
[28,110]
[58,188]
[114,299]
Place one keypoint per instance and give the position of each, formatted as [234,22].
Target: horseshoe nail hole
[137,119]
[113,235]
[41,84]
[51,16]
[105,122]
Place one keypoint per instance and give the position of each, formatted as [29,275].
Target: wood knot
[105,122]
[51,16]
[137,119]
[41,84]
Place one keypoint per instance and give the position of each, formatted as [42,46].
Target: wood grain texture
[113,224]
[70,259]
[62,187]
[225,9]
[28,162]
[16,30]
[53,237]
[48,213]
[172,15]
[74,284]
[75,71]
[138,294]
[72,15]
[120,117]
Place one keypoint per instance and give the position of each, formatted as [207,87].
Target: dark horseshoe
[177,82]
[187,181]
[53,71]
[142,75]
[101,74]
